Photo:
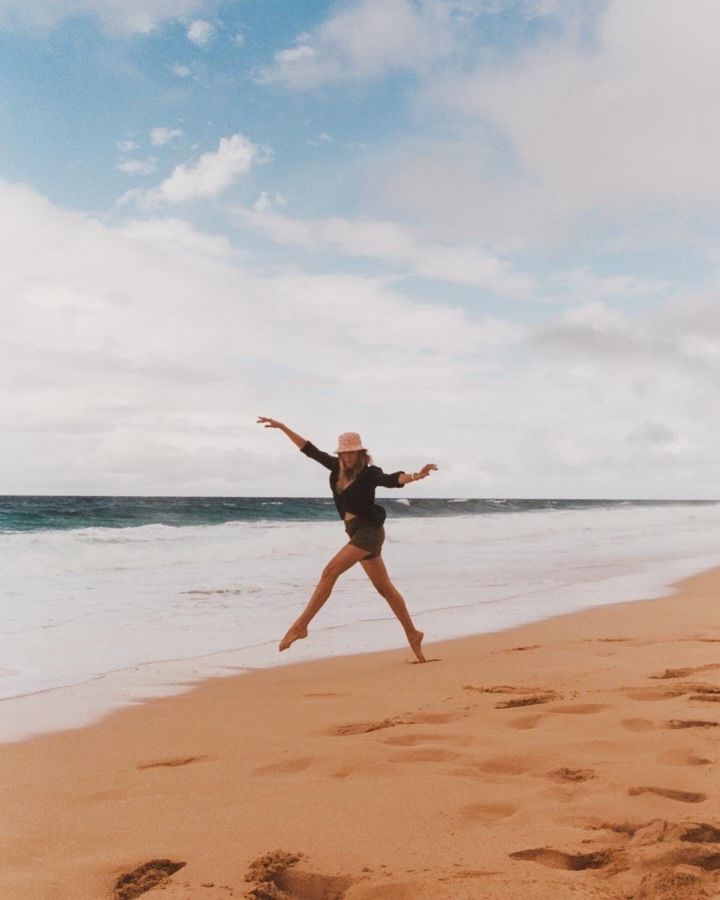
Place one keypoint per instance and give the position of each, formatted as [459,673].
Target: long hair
[364,459]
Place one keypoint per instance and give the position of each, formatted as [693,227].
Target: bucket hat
[349,440]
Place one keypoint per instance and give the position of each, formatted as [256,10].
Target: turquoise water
[37,513]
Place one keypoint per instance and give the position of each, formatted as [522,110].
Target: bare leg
[377,573]
[341,562]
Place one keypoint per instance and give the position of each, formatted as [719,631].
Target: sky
[481,233]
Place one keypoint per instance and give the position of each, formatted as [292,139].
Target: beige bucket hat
[349,440]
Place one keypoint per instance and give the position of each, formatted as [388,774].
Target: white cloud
[127,146]
[681,335]
[594,318]
[182,71]
[176,235]
[200,32]
[239,39]
[585,283]
[161,135]
[171,347]
[658,439]
[169,343]
[265,201]
[115,16]
[455,263]
[366,39]
[211,174]
[389,242]
[138,166]
[295,54]
[616,119]
[322,138]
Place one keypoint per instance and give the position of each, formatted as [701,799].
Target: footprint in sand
[411,719]
[286,767]
[701,833]
[565,774]
[581,709]
[683,673]
[506,689]
[143,878]
[683,758]
[183,761]
[709,860]
[645,694]
[275,875]
[556,859]
[500,766]
[410,740]
[662,831]
[533,700]
[529,722]
[363,727]
[626,829]
[526,723]
[488,812]
[698,691]
[638,725]
[691,723]
[435,718]
[425,754]
[503,765]
[681,796]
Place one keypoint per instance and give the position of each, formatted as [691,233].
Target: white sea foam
[98,618]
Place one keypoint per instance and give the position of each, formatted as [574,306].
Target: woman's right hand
[269,423]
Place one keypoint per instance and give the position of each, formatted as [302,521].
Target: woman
[353,480]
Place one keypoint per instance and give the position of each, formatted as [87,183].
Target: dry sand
[574,758]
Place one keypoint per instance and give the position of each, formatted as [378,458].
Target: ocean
[109,601]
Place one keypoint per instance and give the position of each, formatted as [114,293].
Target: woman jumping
[353,480]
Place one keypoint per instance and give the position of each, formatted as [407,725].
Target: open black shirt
[359,496]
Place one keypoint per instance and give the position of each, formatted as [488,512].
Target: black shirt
[359,496]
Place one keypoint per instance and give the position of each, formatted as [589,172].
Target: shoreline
[525,741]
[113,620]
[60,708]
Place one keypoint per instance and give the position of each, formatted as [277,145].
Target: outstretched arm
[416,476]
[307,447]
[273,423]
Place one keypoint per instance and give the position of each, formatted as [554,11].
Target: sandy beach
[575,757]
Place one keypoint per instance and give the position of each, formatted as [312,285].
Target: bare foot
[295,632]
[415,643]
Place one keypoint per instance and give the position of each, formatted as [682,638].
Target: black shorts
[365,535]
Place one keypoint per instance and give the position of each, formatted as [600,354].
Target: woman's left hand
[426,469]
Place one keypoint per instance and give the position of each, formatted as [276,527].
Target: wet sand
[571,758]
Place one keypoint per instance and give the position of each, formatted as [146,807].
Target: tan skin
[346,557]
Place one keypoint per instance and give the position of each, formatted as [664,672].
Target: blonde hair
[364,459]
